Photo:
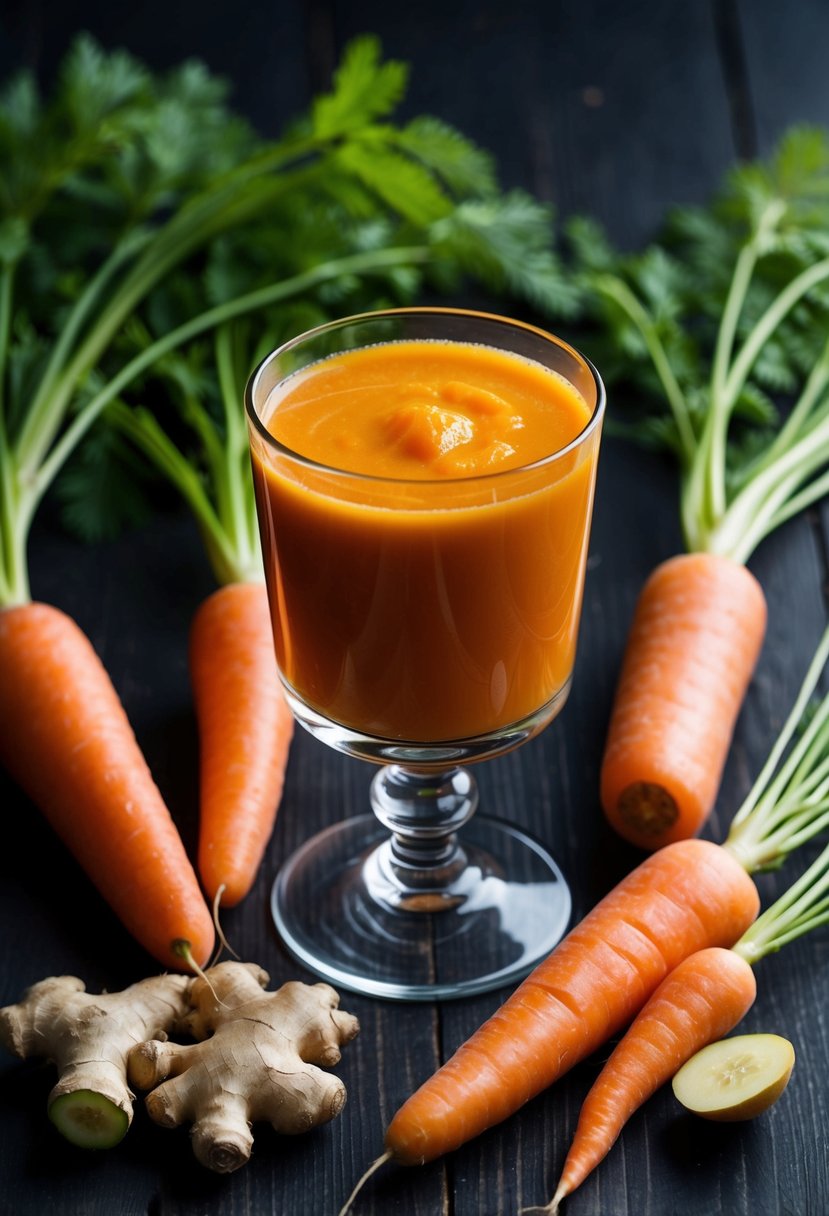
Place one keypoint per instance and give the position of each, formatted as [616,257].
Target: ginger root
[89,1038]
[258,1065]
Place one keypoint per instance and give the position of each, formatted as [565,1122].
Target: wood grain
[619,111]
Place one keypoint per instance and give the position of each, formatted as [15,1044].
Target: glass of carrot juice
[424,483]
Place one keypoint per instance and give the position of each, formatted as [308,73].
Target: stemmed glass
[423,624]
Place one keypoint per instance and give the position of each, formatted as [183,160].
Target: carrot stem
[188,229]
[747,520]
[240,510]
[6,292]
[799,415]
[359,263]
[617,290]
[768,322]
[802,908]
[786,805]
[721,402]
[227,536]
[40,410]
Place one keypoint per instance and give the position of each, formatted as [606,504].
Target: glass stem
[420,866]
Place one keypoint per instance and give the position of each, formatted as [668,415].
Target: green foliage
[464,168]
[724,320]
[364,89]
[141,221]
[106,488]
[505,242]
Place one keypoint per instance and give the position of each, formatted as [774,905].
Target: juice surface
[426,410]
[432,591]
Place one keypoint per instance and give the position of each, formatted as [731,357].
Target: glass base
[339,909]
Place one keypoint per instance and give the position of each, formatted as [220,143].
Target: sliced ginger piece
[260,1063]
[736,1078]
[88,1038]
[88,1119]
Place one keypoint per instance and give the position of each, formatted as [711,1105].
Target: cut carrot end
[647,809]
[694,640]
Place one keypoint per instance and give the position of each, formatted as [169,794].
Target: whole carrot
[691,650]
[698,1003]
[245,730]
[66,740]
[700,623]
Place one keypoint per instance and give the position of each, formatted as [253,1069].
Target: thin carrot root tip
[372,1169]
[224,944]
[181,949]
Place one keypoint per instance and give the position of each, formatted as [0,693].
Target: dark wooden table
[613,109]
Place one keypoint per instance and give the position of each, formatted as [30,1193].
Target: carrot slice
[245,731]
[66,740]
[695,639]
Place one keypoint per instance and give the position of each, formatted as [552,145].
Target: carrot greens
[720,330]
[724,320]
[199,367]
[789,801]
[120,177]
[695,1006]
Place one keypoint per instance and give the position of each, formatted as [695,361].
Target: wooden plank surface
[614,110]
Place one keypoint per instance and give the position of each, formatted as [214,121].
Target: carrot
[245,730]
[741,476]
[695,638]
[699,1002]
[66,740]
[702,999]
[687,896]
[691,895]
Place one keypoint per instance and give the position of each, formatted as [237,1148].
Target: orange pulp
[425,585]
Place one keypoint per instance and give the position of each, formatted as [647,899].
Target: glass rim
[309,462]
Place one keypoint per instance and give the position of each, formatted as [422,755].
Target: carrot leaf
[140,216]
[724,320]
[348,212]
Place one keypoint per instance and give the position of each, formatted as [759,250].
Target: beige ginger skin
[259,1061]
[88,1037]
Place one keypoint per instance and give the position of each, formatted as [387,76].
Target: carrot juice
[424,508]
